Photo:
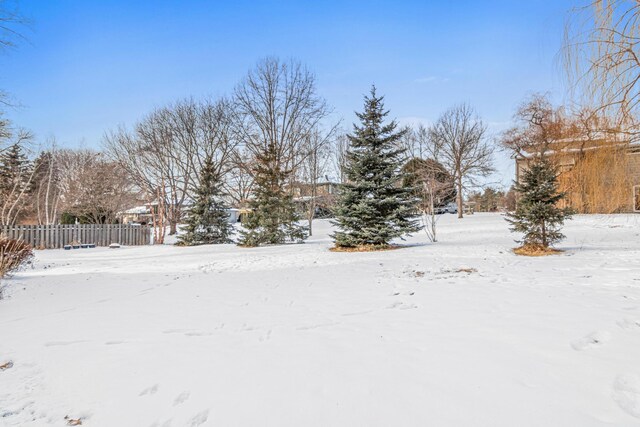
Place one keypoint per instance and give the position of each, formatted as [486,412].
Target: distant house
[597,175]
[322,189]
[142,214]
[137,215]
[323,195]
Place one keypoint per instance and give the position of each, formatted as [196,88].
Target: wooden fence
[56,236]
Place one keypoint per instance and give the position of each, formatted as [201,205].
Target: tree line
[273,134]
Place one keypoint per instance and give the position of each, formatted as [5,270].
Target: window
[636,198]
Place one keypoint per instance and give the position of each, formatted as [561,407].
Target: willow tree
[602,60]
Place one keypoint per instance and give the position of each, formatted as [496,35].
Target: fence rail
[57,236]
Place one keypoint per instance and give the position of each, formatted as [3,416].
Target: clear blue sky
[89,66]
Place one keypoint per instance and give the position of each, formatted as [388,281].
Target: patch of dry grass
[468,270]
[365,248]
[535,250]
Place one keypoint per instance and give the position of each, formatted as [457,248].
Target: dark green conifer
[373,206]
[15,169]
[208,219]
[273,219]
[537,214]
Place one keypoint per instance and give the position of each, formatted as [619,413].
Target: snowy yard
[457,333]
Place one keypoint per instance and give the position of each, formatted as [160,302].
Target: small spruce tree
[207,222]
[274,219]
[537,215]
[373,206]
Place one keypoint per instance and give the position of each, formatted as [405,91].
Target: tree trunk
[173,227]
[459,196]
[432,209]
[312,208]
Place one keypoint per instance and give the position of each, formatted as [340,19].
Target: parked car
[448,208]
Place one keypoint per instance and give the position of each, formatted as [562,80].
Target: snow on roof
[568,150]
[137,210]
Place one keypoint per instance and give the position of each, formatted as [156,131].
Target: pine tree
[373,206]
[16,184]
[537,214]
[273,219]
[15,169]
[208,219]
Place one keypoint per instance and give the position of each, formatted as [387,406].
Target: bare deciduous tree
[433,187]
[165,151]
[416,142]
[602,60]
[239,178]
[458,143]
[540,127]
[339,150]
[47,188]
[11,23]
[91,187]
[277,110]
[592,155]
[313,169]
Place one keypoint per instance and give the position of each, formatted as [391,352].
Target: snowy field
[457,333]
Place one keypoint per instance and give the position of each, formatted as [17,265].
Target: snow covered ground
[457,333]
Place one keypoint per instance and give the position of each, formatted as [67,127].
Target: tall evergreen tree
[15,169]
[16,183]
[537,214]
[373,206]
[208,219]
[273,219]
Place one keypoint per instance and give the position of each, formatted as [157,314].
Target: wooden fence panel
[57,236]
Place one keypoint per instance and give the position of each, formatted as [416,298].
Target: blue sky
[89,66]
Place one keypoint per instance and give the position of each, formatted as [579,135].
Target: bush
[13,255]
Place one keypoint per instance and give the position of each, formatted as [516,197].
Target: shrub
[13,255]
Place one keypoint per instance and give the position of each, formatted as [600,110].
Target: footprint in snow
[316,326]
[629,324]
[357,313]
[593,340]
[402,306]
[626,393]
[199,419]
[176,331]
[164,424]
[149,390]
[197,334]
[266,336]
[181,398]
[59,343]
